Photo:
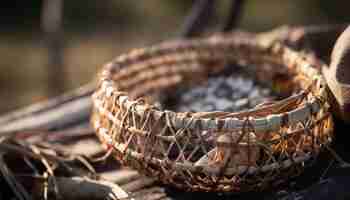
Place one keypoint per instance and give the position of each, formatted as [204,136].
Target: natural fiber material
[213,151]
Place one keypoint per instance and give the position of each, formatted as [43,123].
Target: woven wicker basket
[213,151]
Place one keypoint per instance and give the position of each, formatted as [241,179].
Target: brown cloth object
[337,75]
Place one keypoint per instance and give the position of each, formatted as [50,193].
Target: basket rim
[269,122]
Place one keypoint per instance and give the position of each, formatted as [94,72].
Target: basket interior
[232,90]
[160,80]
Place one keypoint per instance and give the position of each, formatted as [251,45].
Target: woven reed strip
[144,133]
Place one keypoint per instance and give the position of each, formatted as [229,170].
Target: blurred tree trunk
[51,19]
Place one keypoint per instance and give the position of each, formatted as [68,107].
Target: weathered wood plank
[68,109]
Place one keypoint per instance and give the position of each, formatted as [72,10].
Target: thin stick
[198,18]
[339,159]
[65,110]
[138,184]
[15,186]
[121,177]
[79,188]
[234,15]
[52,26]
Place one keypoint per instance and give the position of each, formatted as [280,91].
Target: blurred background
[94,32]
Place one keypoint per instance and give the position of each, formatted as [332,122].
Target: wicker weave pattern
[211,151]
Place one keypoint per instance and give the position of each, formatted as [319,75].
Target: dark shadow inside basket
[167,83]
[163,84]
[235,88]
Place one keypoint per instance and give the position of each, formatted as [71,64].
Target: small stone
[223,104]
[241,102]
[265,91]
[236,95]
[223,91]
[209,107]
[255,93]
